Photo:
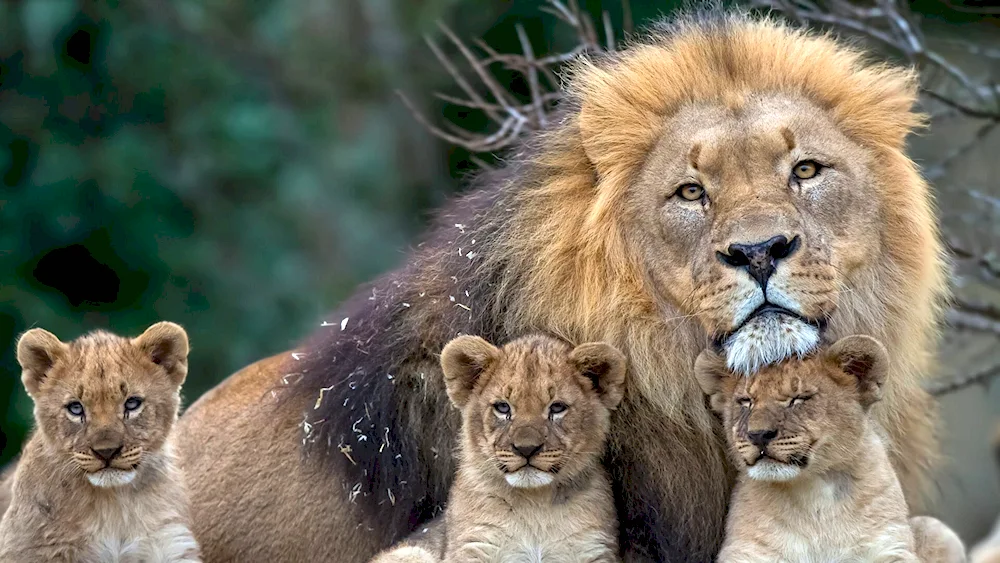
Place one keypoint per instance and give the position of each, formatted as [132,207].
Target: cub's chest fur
[563,530]
[133,528]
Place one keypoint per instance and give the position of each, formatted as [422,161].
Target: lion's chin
[773,471]
[768,338]
[529,478]
[110,477]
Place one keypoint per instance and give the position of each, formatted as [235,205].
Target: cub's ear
[867,360]
[711,372]
[37,351]
[166,344]
[463,360]
[604,368]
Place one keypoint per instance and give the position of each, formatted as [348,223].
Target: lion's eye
[744,402]
[501,407]
[556,408]
[690,192]
[75,408]
[132,404]
[799,400]
[806,169]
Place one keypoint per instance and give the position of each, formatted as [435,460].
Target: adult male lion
[729,180]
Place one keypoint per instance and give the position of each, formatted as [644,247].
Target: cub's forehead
[99,365]
[537,367]
[789,378]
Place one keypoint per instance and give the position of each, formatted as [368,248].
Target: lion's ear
[463,360]
[603,366]
[166,344]
[711,372]
[867,360]
[37,351]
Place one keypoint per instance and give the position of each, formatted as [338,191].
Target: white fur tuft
[108,478]
[767,339]
[529,478]
[770,470]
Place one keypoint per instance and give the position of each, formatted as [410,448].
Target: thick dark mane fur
[374,398]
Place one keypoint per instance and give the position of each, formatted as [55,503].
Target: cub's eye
[75,408]
[690,192]
[799,400]
[132,403]
[744,402]
[556,408]
[501,407]
[806,169]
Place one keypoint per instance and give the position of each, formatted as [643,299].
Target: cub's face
[102,401]
[754,219]
[797,416]
[536,411]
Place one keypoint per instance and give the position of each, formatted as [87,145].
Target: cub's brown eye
[806,169]
[75,408]
[132,404]
[744,402]
[690,192]
[556,408]
[799,400]
[501,407]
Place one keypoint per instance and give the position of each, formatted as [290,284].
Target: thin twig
[939,388]
[532,72]
[972,321]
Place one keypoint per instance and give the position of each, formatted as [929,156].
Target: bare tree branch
[511,119]
[939,388]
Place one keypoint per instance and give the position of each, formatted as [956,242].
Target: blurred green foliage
[237,167]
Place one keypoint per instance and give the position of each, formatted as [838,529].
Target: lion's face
[754,218]
[535,411]
[799,415]
[104,402]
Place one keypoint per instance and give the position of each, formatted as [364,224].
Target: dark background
[239,167]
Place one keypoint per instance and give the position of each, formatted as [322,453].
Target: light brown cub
[97,481]
[530,486]
[815,481]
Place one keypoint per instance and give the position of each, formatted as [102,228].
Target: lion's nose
[527,450]
[107,454]
[761,438]
[760,258]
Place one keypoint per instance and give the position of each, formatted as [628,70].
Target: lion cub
[815,481]
[97,481]
[530,486]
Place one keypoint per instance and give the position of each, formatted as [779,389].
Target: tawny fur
[140,513]
[6,486]
[580,236]
[987,550]
[820,488]
[569,516]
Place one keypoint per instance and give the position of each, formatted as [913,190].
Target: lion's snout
[760,259]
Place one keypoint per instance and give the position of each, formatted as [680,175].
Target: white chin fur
[770,470]
[108,478]
[767,339]
[529,478]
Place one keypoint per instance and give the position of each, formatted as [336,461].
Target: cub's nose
[761,438]
[106,454]
[527,450]
[760,258]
